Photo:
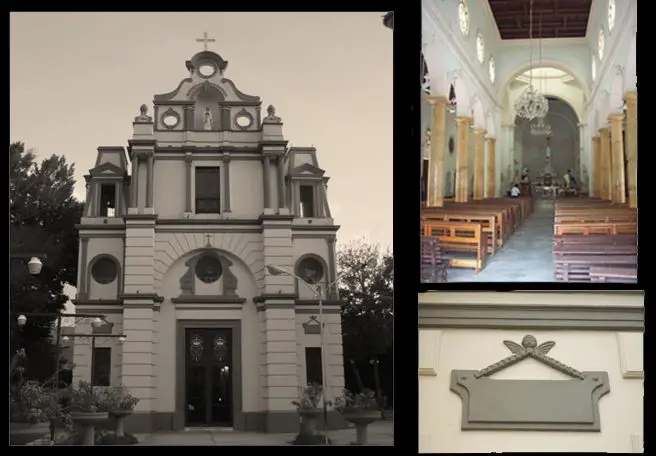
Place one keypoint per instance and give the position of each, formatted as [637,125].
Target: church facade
[208,243]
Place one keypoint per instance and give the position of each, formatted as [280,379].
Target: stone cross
[209,240]
[205,40]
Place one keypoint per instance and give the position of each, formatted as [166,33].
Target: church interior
[529,141]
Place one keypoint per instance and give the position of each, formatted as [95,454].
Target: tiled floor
[380,433]
[525,257]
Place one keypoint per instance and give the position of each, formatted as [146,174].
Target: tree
[43,214]
[366,290]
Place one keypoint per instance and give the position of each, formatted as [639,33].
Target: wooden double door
[208,377]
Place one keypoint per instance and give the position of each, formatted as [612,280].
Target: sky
[77,81]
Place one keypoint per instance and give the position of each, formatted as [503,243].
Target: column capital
[603,131]
[491,138]
[631,96]
[438,100]
[616,117]
[463,120]
[480,131]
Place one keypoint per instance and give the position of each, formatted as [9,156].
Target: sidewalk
[381,433]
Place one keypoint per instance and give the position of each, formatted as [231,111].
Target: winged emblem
[529,348]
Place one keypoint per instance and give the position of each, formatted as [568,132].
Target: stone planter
[309,420]
[86,423]
[24,433]
[361,419]
[119,417]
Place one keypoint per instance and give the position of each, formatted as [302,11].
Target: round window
[208,269]
[310,269]
[206,70]
[104,271]
[244,120]
[170,120]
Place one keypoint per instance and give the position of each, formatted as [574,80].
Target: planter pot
[309,420]
[24,433]
[361,419]
[119,417]
[86,422]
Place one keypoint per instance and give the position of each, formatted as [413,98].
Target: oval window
[244,120]
[208,269]
[206,70]
[104,271]
[170,120]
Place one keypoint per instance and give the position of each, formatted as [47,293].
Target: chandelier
[540,127]
[531,104]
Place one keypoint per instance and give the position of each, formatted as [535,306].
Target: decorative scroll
[220,349]
[196,348]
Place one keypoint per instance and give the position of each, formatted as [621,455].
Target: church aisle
[525,257]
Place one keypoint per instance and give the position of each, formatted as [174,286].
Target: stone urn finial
[144,110]
[271,110]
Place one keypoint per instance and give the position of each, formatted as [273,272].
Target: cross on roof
[209,239]
[205,40]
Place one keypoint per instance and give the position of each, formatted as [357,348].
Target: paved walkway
[381,433]
[525,257]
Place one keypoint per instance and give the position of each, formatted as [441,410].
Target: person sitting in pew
[514,191]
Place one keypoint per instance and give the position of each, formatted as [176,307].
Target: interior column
[631,99]
[479,163]
[436,162]
[490,191]
[597,167]
[617,152]
[607,164]
[462,157]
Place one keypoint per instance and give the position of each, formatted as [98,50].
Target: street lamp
[318,294]
[34,266]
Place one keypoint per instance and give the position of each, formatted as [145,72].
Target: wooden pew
[601,274]
[576,268]
[594,218]
[433,266]
[606,239]
[489,223]
[595,228]
[458,237]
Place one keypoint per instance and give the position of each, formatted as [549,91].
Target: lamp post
[318,295]
[98,321]
[34,264]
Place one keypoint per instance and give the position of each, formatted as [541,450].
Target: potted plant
[308,406]
[87,409]
[121,404]
[359,409]
[31,405]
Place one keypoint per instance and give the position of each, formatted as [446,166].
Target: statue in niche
[207,119]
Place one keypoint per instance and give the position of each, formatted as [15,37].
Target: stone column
[134,181]
[267,188]
[83,285]
[631,99]
[97,203]
[490,190]
[117,199]
[149,177]
[188,161]
[462,157]
[597,167]
[282,201]
[226,183]
[479,164]
[617,152]
[436,163]
[607,164]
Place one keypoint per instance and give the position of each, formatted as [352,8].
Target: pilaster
[490,189]
[617,152]
[607,164]
[597,168]
[436,163]
[479,163]
[462,158]
[631,99]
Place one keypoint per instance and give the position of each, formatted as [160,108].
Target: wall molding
[429,352]
[505,316]
[630,364]
[637,443]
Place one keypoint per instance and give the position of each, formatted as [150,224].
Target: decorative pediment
[307,169]
[222,270]
[312,326]
[539,405]
[107,170]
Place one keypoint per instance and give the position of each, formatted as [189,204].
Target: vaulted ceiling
[556,18]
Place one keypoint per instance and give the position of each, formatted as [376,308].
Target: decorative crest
[529,349]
